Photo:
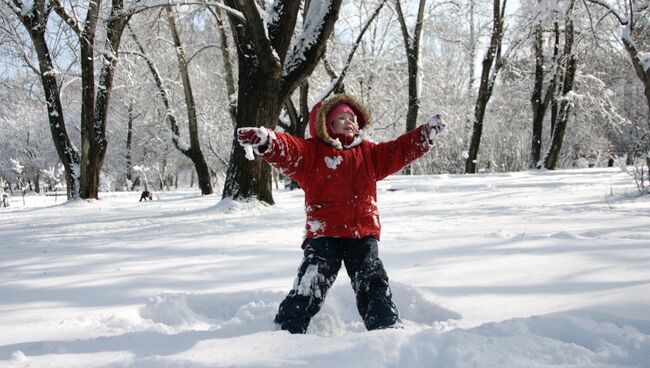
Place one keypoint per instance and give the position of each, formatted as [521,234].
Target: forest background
[125,95]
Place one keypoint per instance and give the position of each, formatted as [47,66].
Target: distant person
[338,170]
[146,195]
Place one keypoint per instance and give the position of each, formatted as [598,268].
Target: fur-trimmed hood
[318,117]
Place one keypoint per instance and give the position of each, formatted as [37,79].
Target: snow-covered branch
[70,19]
[611,9]
[259,36]
[140,6]
[310,44]
[15,5]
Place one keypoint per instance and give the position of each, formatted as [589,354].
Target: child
[338,171]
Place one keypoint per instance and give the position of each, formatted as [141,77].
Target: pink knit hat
[338,109]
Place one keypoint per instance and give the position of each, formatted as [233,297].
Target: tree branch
[621,18]
[138,8]
[70,20]
[339,80]
[169,114]
[310,45]
[257,34]
[282,18]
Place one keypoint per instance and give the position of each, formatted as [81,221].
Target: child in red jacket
[338,170]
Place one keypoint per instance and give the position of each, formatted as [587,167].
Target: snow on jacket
[338,177]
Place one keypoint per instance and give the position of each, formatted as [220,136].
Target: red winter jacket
[340,182]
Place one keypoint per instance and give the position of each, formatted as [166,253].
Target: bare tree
[96,88]
[569,65]
[412,47]
[492,63]
[35,20]
[193,150]
[540,97]
[271,67]
[227,64]
[638,13]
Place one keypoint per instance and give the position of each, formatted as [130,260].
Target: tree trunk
[257,103]
[540,100]
[229,73]
[37,183]
[271,67]
[82,171]
[487,83]
[637,10]
[570,62]
[129,138]
[412,47]
[94,111]
[194,153]
[35,22]
[471,80]
[536,100]
[298,118]
[89,180]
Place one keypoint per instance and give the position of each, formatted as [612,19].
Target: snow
[248,148]
[333,162]
[313,25]
[530,269]
[645,61]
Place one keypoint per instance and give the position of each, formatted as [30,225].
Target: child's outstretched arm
[283,151]
[390,157]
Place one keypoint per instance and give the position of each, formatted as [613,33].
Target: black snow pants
[320,265]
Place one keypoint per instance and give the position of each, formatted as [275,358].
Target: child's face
[346,124]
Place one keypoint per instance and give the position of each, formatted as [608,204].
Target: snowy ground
[533,269]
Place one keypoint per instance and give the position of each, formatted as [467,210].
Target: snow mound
[576,339]
[501,234]
[249,207]
[565,235]
[18,356]
[339,312]
[173,310]
[213,311]
[254,311]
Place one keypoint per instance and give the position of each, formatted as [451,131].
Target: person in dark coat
[338,170]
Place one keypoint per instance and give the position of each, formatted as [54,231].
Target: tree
[271,67]
[35,19]
[25,133]
[569,65]
[299,116]
[541,98]
[412,46]
[193,150]
[634,24]
[492,63]
[229,74]
[95,91]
